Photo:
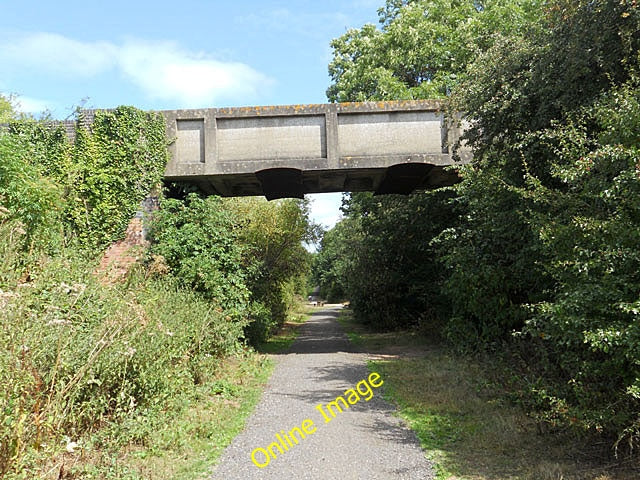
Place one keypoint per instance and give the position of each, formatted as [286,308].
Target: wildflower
[70,445]
[59,321]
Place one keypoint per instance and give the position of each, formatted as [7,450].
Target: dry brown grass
[467,426]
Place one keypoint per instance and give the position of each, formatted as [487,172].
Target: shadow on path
[363,441]
[322,334]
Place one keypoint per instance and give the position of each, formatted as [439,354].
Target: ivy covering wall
[104,175]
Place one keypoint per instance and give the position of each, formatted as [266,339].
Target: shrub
[26,195]
[76,355]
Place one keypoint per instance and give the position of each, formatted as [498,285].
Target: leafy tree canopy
[422,48]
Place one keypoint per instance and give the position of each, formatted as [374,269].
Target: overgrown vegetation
[90,368]
[535,253]
[460,410]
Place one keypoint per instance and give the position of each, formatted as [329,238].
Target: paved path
[364,442]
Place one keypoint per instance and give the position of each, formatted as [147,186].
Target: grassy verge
[186,446]
[282,340]
[464,421]
[185,442]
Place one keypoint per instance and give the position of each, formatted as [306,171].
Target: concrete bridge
[287,151]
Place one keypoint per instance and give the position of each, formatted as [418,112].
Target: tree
[422,48]
[276,262]
[332,266]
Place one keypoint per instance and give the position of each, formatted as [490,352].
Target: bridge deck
[287,151]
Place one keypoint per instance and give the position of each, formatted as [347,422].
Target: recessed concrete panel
[190,141]
[394,133]
[374,146]
[270,138]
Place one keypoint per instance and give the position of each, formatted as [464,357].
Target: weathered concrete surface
[280,151]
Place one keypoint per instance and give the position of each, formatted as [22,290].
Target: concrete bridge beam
[288,151]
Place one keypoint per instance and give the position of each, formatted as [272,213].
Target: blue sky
[164,55]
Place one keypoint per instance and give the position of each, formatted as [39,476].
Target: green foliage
[104,174]
[26,195]
[591,232]
[76,355]
[277,264]
[197,238]
[245,255]
[381,257]
[492,259]
[547,248]
[540,253]
[422,48]
[332,264]
[261,324]
[7,108]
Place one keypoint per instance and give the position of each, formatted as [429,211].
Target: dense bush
[552,211]
[244,254]
[541,261]
[590,327]
[276,263]
[197,238]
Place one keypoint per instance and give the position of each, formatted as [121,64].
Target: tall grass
[76,355]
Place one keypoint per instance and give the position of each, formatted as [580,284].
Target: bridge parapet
[287,151]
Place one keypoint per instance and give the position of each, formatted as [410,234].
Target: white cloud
[166,71]
[53,53]
[33,105]
[163,70]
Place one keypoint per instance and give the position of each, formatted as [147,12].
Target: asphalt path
[365,441]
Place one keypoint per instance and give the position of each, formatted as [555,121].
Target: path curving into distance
[365,441]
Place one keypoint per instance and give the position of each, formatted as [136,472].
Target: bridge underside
[289,151]
[290,182]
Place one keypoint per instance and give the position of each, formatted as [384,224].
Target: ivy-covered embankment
[87,364]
